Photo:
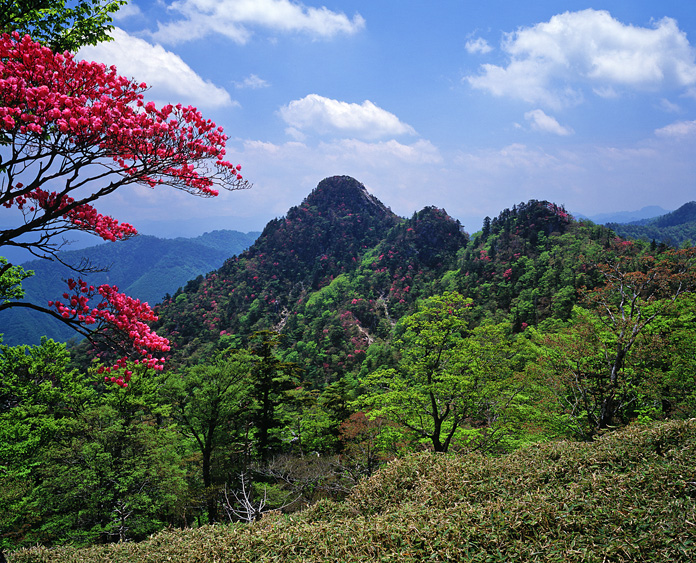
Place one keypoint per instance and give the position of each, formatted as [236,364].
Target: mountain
[672,228]
[337,273]
[145,267]
[644,213]
[326,236]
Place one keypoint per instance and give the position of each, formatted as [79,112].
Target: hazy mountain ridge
[622,217]
[674,228]
[144,267]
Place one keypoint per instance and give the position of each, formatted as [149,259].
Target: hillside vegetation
[145,267]
[345,339]
[629,496]
[673,228]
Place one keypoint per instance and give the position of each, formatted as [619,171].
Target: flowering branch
[86,131]
[71,133]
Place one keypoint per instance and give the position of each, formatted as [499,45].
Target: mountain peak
[342,193]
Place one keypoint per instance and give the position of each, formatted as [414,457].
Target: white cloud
[551,62]
[326,116]
[253,82]
[235,19]
[545,123]
[670,107]
[367,154]
[170,78]
[677,129]
[498,162]
[129,10]
[478,45]
[379,154]
[607,92]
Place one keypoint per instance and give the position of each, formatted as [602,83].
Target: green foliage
[626,497]
[531,265]
[452,386]
[270,381]
[80,463]
[11,278]
[617,360]
[60,24]
[210,402]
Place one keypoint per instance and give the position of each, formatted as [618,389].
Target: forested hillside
[346,337]
[673,228]
[337,273]
[146,267]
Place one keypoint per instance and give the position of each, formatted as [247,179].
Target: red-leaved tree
[72,132]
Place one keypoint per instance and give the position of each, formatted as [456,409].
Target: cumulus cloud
[677,129]
[545,123]
[378,154]
[478,45]
[236,18]
[326,116]
[550,63]
[169,77]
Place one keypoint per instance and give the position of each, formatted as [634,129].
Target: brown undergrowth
[627,496]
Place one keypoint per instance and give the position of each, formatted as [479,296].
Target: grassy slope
[630,496]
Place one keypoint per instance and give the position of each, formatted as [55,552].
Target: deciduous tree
[74,132]
[59,24]
[596,364]
[210,403]
[452,384]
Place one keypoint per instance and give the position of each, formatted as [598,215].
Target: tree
[78,461]
[58,25]
[638,290]
[452,384]
[210,402]
[596,361]
[271,379]
[82,131]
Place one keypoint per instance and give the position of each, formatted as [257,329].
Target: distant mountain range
[649,212]
[144,267]
[673,228]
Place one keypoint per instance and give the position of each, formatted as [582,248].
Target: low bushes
[628,496]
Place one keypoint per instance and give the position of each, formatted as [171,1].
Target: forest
[343,339]
[354,386]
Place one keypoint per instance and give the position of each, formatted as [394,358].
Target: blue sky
[470,106]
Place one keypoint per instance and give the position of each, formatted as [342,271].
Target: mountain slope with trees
[146,267]
[339,271]
[343,338]
[673,228]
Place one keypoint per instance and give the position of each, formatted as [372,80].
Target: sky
[468,106]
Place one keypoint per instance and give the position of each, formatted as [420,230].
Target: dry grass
[629,496]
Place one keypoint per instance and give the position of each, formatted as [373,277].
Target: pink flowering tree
[72,132]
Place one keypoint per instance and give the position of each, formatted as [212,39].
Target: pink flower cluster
[85,106]
[125,315]
[83,216]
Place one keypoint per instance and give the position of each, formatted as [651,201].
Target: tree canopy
[62,25]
